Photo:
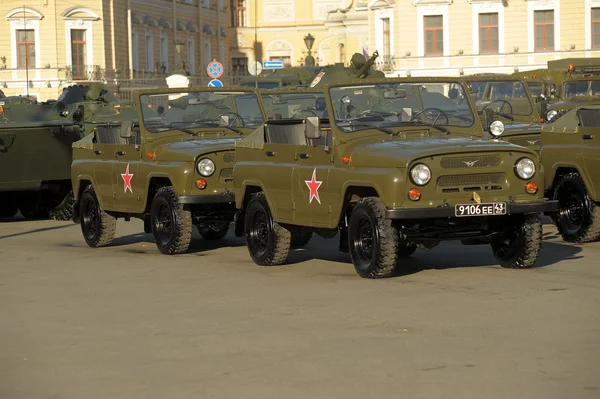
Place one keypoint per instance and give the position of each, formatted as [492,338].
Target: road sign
[215,83]
[255,68]
[214,69]
[273,64]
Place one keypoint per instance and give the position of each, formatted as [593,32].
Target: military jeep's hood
[188,150]
[399,153]
[519,128]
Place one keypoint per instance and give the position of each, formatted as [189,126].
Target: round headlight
[525,168]
[420,174]
[496,128]
[550,115]
[205,167]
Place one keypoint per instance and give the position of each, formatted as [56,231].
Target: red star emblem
[127,180]
[313,185]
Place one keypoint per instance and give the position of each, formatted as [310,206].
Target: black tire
[405,250]
[64,210]
[171,224]
[578,218]
[97,226]
[268,242]
[300,238]
[210,234]
[372,239]
[519,245]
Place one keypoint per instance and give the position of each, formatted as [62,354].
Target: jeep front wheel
[518,246]
[578,218]
[268,242]
[372,239]
[171,224]
[97,226]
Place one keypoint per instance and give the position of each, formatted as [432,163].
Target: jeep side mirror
[488,118]
[224,120]
[543,104]
[312,127]
[126,129]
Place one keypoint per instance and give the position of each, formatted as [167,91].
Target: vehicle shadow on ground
[24,233]
[449,255]
[197,246]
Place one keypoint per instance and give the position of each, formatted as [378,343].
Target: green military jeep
[171,168]
[571,157]
[397,165]
[508,100]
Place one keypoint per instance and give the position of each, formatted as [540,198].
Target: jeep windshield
[582,88]
[386,105]
[201,109]
[296,105]
[506,97]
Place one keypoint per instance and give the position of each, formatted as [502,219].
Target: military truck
[35,160]
[172,167]
[570,155]
[398,165]
[278,78]
[290,104]
[509,101]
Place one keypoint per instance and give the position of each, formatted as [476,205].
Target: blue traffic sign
[214,69]
[273,64]
[215,83]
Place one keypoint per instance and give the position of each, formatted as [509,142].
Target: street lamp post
[309,40]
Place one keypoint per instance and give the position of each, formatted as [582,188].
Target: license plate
[489,209]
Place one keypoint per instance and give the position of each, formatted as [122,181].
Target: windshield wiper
[421,123]
[381,129]
[507,116]
[182,129]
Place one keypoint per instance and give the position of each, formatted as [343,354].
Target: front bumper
[513,208]
[224,198]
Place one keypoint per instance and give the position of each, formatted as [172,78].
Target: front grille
[470,162]
[472,181]
[229,157]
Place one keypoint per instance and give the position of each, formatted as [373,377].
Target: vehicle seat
[285,134]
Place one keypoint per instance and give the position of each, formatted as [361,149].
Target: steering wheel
[503,102]
[231,122]
[304,110]
[434,120]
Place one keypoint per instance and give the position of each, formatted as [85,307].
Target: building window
[239,66]
[206,3]
[238,13]
[595,27]
[434,35]
[191,55]
[207,53]
[25,48]
[164,52]
[149,51]
[222,52]
[544,30]
[135,60]
[78,55]
[385,23]
[488,33]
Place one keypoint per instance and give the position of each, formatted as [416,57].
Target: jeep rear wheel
[518,246]
[268,242]
[171,224]
[97,226]
[578,218]
[372,239]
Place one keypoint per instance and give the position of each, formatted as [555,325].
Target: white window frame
[380,14]
[149,54]
[543,5]
[135,49]
[487,7]
[164,52]
[427,11]
[207,51]
[89,45]
[589,4]
[33,24]
[191,54]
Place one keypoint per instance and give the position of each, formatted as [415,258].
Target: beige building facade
[127,44]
